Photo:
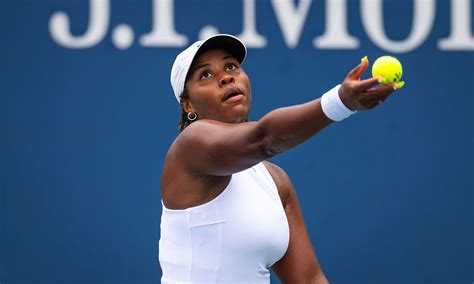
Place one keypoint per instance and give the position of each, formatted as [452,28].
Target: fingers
[367,84]
[357,72]
[382,90]
[360,94]
[376,96]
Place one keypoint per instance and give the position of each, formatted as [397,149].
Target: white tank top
[234,238]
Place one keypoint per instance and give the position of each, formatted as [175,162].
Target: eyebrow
[207,64]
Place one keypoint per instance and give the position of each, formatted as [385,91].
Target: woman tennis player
[228,214]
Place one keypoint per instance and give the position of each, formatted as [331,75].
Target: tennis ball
[389,69]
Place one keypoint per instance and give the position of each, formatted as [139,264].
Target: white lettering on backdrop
[291,17]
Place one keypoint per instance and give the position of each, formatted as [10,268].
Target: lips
[232,92]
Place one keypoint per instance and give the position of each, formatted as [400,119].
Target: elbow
[269,144]
[271,147]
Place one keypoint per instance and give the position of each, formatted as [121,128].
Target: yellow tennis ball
[389,69]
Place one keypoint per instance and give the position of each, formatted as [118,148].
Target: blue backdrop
[87,115]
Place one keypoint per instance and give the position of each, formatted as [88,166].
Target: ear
[187,105]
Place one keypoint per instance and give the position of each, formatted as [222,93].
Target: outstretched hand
[359,94]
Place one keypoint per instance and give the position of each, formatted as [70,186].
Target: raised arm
[214,148]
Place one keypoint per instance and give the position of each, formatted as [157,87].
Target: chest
[246,222]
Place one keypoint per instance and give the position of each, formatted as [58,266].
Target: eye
[231,66]
[204,75]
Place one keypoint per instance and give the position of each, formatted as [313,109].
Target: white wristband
[333,107]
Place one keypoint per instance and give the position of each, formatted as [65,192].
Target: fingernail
[364,58]
[379,78]
[394,86]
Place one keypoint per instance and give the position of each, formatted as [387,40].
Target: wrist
[333,106]
[345,99]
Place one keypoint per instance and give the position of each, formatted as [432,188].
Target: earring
[192,116]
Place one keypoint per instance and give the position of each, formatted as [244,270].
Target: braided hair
[183,120]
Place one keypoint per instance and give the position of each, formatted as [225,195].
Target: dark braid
[183,120]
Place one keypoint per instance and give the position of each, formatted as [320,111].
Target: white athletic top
[234,238]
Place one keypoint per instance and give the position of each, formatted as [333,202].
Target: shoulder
[282,181]
[191,132]
[207,132]
[278,174]
[191,139]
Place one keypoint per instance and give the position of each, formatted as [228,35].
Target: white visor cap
[183,61]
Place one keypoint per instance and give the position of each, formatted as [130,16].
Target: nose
[226,79]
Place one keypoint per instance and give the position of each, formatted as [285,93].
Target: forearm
[287,127]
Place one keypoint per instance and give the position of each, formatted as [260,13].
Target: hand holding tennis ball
[360,94]
[389,69]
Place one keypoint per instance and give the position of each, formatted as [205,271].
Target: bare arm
[214,148]
[299,264]
[220,148]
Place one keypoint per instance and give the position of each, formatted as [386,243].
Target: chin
[235,114]
[243,119]
[234,119]
[241,116]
